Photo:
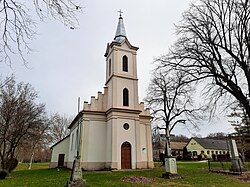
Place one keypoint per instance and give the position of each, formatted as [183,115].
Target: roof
[211,143]
[59,141]
[78,116]
[174,145]
[177,145]
[120,34]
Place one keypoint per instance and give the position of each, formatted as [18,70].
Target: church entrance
[126,155]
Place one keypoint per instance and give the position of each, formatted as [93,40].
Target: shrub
[11,164]
[3,174]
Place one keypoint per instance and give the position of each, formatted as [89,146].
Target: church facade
[113,131]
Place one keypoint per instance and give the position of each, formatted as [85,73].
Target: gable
[63,142]
[193,145]
[124,44]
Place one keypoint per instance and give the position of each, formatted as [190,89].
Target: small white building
[114,128]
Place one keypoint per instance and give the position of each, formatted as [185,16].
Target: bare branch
[18,25]
[214,49]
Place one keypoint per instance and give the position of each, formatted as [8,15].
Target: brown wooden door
[61,160]
[126,155]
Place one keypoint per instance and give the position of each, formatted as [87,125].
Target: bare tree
[240,122]
[20,118]
[217,135]
[38,138]
[171,101]
[179,138]
[214,48]
[58,127]
[156,137]
[18,23]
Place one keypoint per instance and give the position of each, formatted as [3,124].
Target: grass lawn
[193,173]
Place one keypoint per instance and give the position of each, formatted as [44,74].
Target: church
[113,130]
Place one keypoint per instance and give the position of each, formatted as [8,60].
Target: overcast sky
[68,64]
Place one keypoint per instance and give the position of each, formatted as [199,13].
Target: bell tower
[121,71]
[128,143]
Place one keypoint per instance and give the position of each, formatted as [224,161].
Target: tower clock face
[126,126]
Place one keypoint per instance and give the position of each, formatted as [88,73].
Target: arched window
[125,97]
[125,63]
[109,66]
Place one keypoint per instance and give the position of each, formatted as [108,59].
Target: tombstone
[235,159]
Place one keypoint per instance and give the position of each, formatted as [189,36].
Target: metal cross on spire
[120,11]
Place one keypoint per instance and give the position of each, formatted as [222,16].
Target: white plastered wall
[143,139]
[60,148]
[72,144]
[97,141]
[126,136]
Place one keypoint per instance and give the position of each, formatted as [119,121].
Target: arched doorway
[126,155]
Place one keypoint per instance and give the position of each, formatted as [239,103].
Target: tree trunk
[31,158]
[167,148]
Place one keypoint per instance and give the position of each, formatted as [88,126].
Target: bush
[179,157]
[3,174]
[11,164]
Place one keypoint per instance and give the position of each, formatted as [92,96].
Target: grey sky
[68,64]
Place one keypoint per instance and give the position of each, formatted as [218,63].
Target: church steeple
[120,34]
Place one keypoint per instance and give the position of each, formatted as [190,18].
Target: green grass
[193,173]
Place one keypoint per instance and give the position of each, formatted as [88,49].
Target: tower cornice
[113,44]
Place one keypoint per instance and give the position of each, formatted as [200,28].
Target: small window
[208,152]
[126,126]
[125,63]
[109,66]
[125,97]
[216,152]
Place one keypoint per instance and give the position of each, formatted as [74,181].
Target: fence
[225,166]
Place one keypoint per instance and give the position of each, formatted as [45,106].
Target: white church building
[113,131]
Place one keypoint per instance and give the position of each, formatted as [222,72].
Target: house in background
[176,149]
[207,148]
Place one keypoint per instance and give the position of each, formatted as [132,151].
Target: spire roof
[120,34]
